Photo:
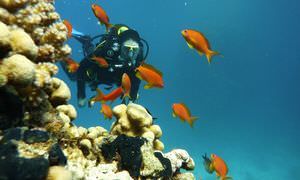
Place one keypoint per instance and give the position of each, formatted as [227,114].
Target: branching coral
[39,19]
[44,72]
[11,4]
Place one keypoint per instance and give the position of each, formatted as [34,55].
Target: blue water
[248,101]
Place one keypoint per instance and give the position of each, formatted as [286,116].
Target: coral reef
[36,122]
[33,30]
[134,120]
[22,152]
[180,159]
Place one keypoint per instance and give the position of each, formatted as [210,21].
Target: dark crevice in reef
[129,150]
[11,110]
[35,136]
[4,50]
[14,167]
[167,173]
[56,156]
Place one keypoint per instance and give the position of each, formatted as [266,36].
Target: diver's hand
[81,102]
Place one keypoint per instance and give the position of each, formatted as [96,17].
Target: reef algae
[38,139]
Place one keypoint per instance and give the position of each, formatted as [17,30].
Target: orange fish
[151,75]
[106,111]
[108,97]
[181,110]
[126,85]
[101,15]
[69,28]
[72,66]
[196,40]
[101,61]
[220,167]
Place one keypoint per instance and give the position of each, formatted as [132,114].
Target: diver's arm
[81,80]
[81,93]
[135,84]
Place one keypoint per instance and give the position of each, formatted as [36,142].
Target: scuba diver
[121,47]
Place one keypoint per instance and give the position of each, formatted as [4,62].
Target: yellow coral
[46,53]
[55,34]
[58,173]
[44,71]
[18,70]
[60,92]
[12,4]
[6,17]
[36,14]
[39,19]
[4,34]
[68,110]
[22,43]
[3,80]
[158,145]
[134,120]
[34,96]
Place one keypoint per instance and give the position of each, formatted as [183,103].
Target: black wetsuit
[90,72]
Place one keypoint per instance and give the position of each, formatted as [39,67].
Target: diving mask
[130,50]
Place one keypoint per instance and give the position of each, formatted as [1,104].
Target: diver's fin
[76,33]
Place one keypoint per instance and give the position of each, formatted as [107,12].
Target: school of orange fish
[153,78]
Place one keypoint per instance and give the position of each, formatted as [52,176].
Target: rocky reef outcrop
[38,138]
